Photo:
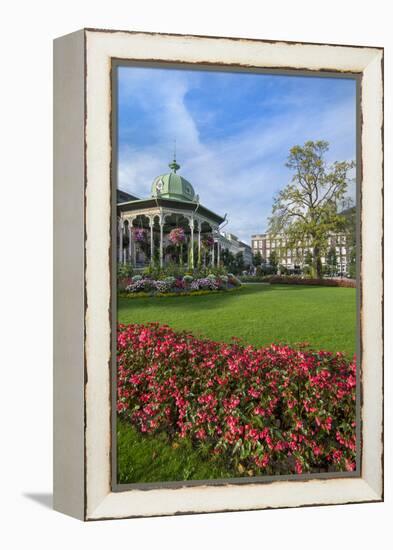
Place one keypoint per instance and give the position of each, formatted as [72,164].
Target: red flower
[298,467]
[270,405]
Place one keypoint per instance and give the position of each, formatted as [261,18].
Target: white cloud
[238,174]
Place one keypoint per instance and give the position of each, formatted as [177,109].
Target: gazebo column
[218,252]
[133,251]
[191,262]
[151,223]
[199,243]
[130,240]
[213,253]
[120,251]
[161,242]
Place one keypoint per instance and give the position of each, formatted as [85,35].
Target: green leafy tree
[350,231]
[257,259]
[352,263]
[273,260]
[228,260]
[331,261]
[239,262]
[307,263]
[307,209]
[308,258]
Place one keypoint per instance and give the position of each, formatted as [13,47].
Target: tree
[350,217]
[257,259]
[228,260]
[273,260]
[331,261]
[308,258]
[307,263]
[352,263]
[306,211]
[239,262]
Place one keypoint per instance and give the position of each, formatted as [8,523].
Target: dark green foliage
[273,261]
[124,270]
[331,262]
[257,259]
[232,263]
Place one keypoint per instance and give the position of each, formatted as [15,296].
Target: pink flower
[269,402]
[298,467]
[177,236]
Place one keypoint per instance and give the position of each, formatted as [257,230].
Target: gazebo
[171,223]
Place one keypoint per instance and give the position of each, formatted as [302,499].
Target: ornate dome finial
[174,166]
[172,185]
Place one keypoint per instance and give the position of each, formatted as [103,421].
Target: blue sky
[233,132]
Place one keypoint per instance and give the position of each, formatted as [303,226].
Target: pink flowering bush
[207,241]
[179,285]
[139,234]
[206,283]
[274,410]
[177,236]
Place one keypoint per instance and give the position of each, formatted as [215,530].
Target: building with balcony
[293,258]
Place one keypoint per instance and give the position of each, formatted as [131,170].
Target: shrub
[187,279]
[163,286]
[124,271]
[265,269]
[175,293]
[293,280]
[123,283]
[207,283]
[178,284]
[273,410]
[139,285]
[254,279]
[173,270]
[232,280]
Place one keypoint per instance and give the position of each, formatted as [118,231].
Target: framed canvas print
[218,274]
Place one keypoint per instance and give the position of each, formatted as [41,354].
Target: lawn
[259,314]
[153,458]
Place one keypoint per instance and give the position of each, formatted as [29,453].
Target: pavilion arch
[172,203]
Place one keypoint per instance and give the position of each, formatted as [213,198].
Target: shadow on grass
[212,301]
[205,301]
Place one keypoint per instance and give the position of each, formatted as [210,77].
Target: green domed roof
[173,186]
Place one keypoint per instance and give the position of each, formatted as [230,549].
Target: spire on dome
[174,166]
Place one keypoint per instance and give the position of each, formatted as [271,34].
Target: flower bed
[175,293]
[294,280]
[274,410]
[178,285]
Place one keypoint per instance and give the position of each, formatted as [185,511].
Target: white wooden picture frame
[83,255]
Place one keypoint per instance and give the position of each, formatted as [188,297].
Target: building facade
[294,258]
[233,244]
